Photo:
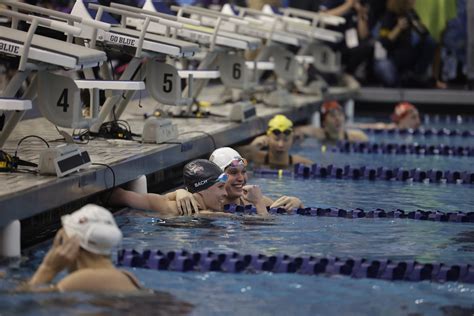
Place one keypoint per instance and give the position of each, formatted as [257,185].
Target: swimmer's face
[237,179]
[214,196]
[280,143]
[411,120]
[334,121]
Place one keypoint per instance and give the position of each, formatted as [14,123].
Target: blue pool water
[290,294]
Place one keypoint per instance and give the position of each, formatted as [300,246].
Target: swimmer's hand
[260,141]
[289,203]
[253,194]
[186,203]
[62,255]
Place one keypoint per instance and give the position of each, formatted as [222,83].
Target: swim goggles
[238,162]
[278,132]
[222,178]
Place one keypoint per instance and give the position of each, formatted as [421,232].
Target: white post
[10,240]
[349,109]
[138,185]
[316,119]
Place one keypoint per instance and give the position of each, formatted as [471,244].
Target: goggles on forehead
[278,132]
[238,162]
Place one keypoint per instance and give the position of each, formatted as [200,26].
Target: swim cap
[401,110]
[200,174]
[225,156]
[279,122]
[329,106]
[95,227]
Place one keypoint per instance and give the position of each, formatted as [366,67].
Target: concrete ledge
[25,195]
[427,96]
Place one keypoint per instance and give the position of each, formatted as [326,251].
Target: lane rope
[436,216]
[385,269]
[371,173]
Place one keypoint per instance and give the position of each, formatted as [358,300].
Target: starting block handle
[110,84]
[11,104]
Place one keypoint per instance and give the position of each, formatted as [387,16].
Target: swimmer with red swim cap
[333,126]
[405,116]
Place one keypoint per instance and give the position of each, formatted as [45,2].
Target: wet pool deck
[24,194]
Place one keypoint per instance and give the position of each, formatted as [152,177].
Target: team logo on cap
[198,184]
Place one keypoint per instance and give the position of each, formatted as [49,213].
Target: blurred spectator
[357,48]
[258,4]
[408,47]
[454,48]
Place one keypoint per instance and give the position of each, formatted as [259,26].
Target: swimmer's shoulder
[98,280]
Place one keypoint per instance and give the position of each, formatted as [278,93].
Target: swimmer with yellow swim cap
[333,126]
[272,150]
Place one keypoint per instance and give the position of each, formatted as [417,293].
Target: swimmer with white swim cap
[83,246]
[238,192]
[202,178]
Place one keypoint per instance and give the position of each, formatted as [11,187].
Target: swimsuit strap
[291,160]
[132,279]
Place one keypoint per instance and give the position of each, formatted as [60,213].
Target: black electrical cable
[205,133]
[113,178]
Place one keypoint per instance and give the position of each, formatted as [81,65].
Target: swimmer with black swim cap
[238,191]
[272,150]
[83,246]
[202,178]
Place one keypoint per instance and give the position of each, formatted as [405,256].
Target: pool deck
[24,194]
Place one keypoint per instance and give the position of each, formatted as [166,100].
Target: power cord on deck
[113,179]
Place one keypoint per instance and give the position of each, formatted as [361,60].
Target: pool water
[291,294]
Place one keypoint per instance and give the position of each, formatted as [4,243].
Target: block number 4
[62,101]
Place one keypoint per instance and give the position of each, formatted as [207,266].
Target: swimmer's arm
[310,131]
[357,135]
[302,160]
[267,201]
[149,201]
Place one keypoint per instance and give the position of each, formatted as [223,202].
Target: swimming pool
[216,293]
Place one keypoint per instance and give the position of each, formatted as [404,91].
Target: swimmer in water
[273,149]
[405,116]
[83,246]
[333,128]
[238,192]
[203,179]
